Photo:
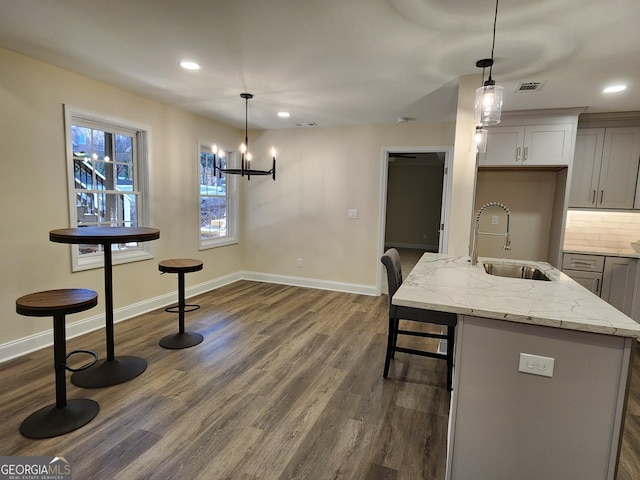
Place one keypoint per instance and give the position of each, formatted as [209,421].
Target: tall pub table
[111,370]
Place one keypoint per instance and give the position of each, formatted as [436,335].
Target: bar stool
[181,339]
[63,416]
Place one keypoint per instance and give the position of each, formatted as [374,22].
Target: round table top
[177,265]
[104,235]
[50,302]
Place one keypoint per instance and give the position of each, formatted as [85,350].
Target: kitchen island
[518,417]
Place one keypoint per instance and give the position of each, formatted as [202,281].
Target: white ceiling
[337,62]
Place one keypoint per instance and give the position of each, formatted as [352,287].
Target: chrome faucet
[476,231]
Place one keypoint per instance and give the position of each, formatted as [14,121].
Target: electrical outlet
[536,365]
[299,263]
[353,213]
[494,219]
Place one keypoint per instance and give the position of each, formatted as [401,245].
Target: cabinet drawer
[587,263]
[592,281]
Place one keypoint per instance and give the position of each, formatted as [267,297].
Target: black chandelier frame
[245,164]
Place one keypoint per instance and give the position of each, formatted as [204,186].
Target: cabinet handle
[518,154]
[526,153]
[593,197]
[601,195]
[598,286]
[582,264]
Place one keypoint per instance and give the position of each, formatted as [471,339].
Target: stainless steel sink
[514,271]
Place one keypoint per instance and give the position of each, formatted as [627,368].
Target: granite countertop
[450,284]
[611,252]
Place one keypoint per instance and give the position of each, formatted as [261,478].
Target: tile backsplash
[602,228]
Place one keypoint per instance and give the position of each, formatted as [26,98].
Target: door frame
[445,204]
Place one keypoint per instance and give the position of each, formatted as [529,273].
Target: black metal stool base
[52,421]
[110,372]
[181,340]
[186,309]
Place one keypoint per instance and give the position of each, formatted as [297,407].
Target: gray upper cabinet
[528,145]
[605,168]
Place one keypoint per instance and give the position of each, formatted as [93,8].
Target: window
[106,167]
[218,199]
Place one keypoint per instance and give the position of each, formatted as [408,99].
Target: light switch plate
[353,213]
[536,365]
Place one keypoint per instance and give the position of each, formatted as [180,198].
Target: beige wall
[529,195]
[33,186]
[463,171]
[322,173]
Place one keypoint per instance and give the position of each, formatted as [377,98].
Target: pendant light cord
[493,43]
[246,121]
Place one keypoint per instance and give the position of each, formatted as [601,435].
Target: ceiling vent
[306,124]
[529,87]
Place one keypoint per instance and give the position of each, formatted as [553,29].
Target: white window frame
[232,199]
[143,250]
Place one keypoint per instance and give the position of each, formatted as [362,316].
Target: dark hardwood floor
[286,384]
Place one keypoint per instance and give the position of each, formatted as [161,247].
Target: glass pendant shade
[488,107]
[480,139]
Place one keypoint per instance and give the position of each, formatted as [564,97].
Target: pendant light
[480,139]
[245,155]
[488,105]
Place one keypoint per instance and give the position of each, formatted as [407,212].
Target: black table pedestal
[52,421]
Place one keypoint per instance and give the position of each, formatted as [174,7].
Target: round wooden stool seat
[51,302]
[61,417]
[180,265]
[182,339]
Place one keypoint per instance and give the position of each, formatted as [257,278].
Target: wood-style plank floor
[286,384]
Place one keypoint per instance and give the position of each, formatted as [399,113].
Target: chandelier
[245,156]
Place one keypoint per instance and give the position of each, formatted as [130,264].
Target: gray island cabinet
[541,371]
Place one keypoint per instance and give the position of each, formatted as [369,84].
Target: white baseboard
[44,339]
[310,283]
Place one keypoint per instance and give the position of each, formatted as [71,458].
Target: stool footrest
[85,366]
[187,308]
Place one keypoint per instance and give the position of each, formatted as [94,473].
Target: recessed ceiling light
[614,88]
[284,114]
[189,65]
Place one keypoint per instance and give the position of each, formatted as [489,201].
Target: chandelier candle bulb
[273,167]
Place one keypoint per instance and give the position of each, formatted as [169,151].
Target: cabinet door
[619,171]
[592,281]
[504,147]
[618,283]
[547,144]
[586,167]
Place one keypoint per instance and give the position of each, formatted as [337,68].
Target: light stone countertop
[611,252]
[450,284]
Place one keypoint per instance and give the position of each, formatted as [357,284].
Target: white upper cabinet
[605,168]
[529,145]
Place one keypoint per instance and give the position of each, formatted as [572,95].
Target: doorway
[415,200]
